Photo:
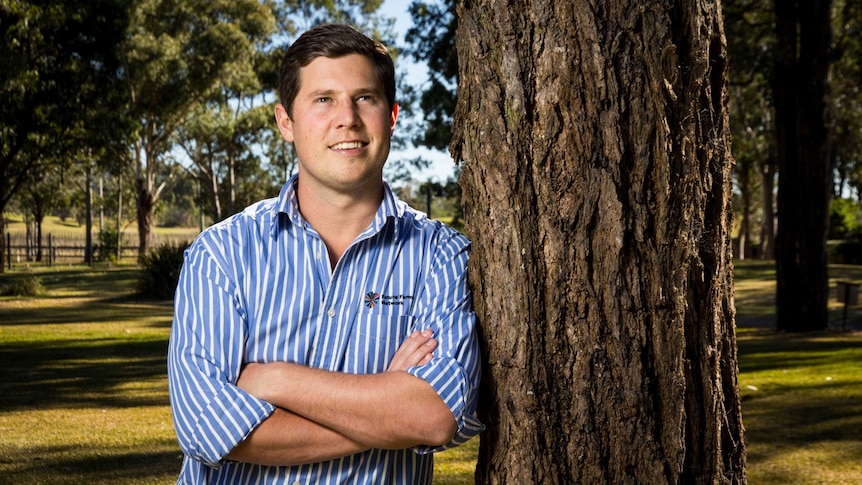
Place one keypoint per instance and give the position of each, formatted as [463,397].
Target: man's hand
[416,350]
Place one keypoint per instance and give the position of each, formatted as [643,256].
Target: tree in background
[597,188]
[801,98]
[846,88]
[58,70]
[750,37]
[431,39]
[177,55]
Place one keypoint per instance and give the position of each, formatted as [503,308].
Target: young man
[326,335]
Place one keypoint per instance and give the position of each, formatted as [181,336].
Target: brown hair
[332,40]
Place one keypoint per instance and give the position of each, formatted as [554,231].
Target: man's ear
[285,125]
[393,118]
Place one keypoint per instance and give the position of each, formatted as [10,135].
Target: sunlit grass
[456,466]
[84,394]
[802,406]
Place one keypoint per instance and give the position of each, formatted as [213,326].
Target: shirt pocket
[374,340]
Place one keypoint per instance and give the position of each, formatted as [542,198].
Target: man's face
[341,125]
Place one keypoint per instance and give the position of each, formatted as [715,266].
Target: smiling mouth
[348,145]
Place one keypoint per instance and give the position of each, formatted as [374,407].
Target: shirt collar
[287,204]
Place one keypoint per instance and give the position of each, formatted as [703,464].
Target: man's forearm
[391,410]
[388,410]
[286,439]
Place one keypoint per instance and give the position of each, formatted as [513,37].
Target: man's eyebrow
[318,93]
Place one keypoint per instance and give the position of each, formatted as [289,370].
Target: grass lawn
[84,395]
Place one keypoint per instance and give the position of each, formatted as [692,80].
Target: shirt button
[331,313]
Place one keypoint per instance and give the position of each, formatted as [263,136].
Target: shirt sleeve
[446,309]
[205,354]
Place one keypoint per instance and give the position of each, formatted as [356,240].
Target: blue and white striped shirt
[258,287]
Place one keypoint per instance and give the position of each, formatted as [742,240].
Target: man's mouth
[348,145]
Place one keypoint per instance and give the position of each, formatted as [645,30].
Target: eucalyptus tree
[58,70]
[846,103]
[431,39]
[595,143]
[800,92]
[177,55]
[750,40]
[224,143]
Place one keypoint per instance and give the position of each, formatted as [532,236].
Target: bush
[29,285]
[843,218]
[106,249]
[161,270]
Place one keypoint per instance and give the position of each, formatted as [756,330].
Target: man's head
[333,41]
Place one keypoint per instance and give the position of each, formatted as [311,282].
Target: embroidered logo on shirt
[371,299]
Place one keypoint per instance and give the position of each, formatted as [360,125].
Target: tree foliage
[431,39]
[58,76]
[178,55]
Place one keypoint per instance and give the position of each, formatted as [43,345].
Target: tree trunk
[805,175]
[88,201]
[767,229]
[3,261]
[743,175]
[119,216]
[596,177]
[145,206]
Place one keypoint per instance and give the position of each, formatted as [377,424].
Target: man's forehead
[332,74]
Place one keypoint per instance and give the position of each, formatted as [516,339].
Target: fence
[71,248]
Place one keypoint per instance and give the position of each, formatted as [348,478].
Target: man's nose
[348,114]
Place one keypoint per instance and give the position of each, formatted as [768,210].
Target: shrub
[843,218]
[29,285]
[161,270]
[106,249]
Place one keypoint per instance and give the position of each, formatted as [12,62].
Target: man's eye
[323,100]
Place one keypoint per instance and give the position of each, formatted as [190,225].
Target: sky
[442,167]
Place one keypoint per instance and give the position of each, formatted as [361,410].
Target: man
[326,335]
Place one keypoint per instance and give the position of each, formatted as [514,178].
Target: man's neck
[339,218]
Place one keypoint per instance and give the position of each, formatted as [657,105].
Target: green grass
[84,394]
[802,406]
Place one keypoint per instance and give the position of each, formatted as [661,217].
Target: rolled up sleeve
[205,356]
[455,370]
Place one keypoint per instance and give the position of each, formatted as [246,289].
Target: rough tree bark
[594,140]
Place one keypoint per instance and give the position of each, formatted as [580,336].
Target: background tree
[846,88]
[57,62]
[750,41]
[177,55]
[43,194]
[800,97]
[596,177]
[431,40]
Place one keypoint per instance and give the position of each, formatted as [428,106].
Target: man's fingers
[415,350]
